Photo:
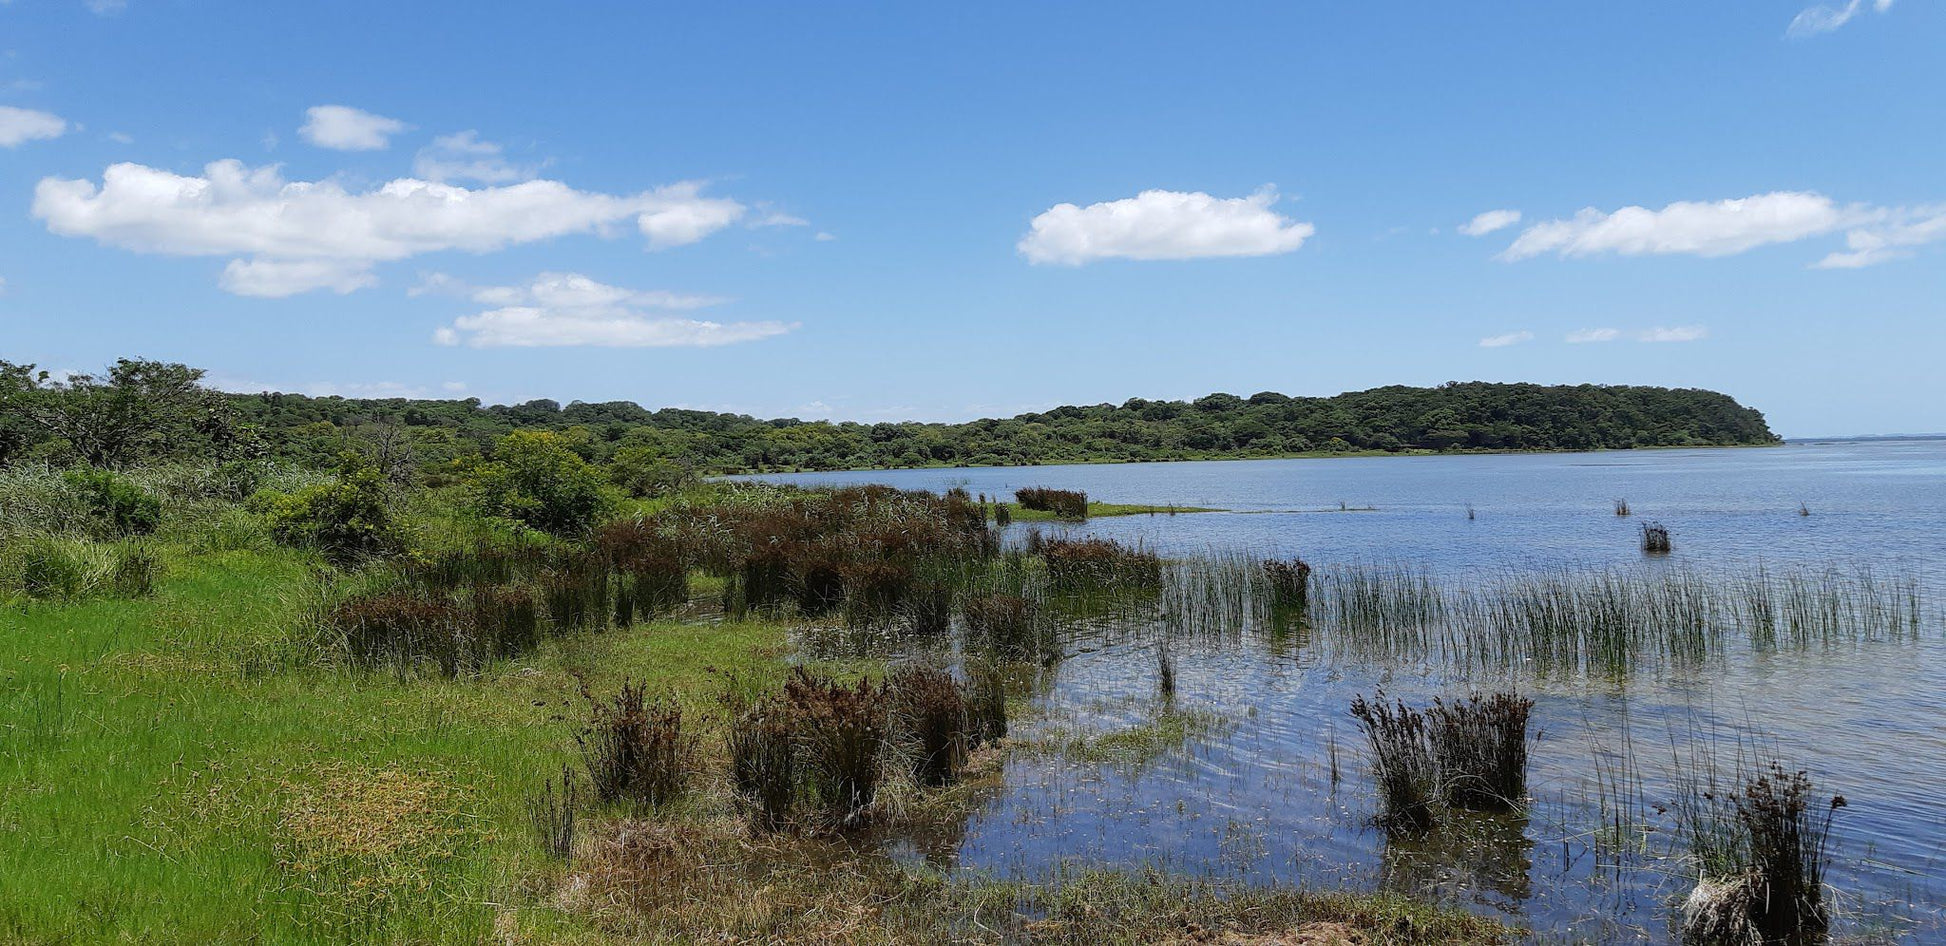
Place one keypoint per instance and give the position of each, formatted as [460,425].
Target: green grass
[182,768]
[1103,510]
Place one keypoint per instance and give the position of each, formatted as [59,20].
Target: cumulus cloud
[1485,223]
[21,125]
[1824,18]
[1716,228]
[343,128]
[1159,224]
[1502,341]
[254,214]
[275,278]
[563,309]
[1892,238]
[464,157]
[1588,335]
[1681,333]
[1728,227]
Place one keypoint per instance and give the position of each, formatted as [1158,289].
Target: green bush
[115,503]
[348,519]
[536,479]
[643,472]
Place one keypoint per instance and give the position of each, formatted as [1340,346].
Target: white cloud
[1717,228]
[343,128]
[106,7]
[21,125]
[1823,18]
[563,291]
[777,218]
[1681,333]
[1158,224]
[1894,238]
[560,309]
[1728,227]
[1588,335]
[824,237]
[1502,341]
[121,137]
[464,157]
[275,279]
[1485,223]
[234,210]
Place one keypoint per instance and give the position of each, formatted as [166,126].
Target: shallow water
[1260,797]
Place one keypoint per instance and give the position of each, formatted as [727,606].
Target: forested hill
[1473,416]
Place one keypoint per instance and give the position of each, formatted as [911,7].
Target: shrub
[642,472]
[1065,503]
[347,520]
[635,749]
[929,711]
[115,503]
[534,478]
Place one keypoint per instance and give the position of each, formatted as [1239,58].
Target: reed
[1290,582]
[1480,749]
[841,732]
[402,630]
[1006,625]
[635,749]
[1621,508]
[1064,503]
[554,814]
[1763,849]
[1655,538]
[1095,564]
[1402,762]
[765,768]
[985,695]
[929,715]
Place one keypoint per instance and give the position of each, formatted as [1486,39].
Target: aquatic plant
[1402,761]
[841,733]
[764,763]
[1621,508]
[402,629]
[1655,538]
[929,715]
[1480,748]
[1096,564]
[635,749]
[1763,849]
[1290,582]
[1064,503]
[985,695]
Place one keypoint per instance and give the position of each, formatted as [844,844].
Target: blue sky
[908,211]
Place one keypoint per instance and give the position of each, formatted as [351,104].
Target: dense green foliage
[142,411]
[1460,416]
[345,520]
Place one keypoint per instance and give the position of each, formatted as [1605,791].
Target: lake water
[1274,786]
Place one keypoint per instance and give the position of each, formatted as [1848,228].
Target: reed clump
[1095,564]
[1621,508]
[1655,538]
[765,768]
[1063,503]
[985,695]
[1402,762]
[1480,748]
[554,813]
[1763,848]
[929,714]
[403,629]
[635,749]
[841,732]
[1290,582]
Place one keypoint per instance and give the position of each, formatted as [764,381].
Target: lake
[1271,783]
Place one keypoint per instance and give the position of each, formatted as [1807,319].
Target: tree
[137,410]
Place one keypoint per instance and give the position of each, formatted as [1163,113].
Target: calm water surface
[1258,796]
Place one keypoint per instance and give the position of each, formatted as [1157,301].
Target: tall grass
[1402,762]
[636,749]
[1480,747]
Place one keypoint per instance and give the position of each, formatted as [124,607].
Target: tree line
[137,411]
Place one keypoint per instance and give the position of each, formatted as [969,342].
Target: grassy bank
[195,765]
